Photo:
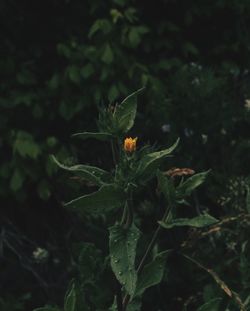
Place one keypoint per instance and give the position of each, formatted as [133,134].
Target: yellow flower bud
[130,144]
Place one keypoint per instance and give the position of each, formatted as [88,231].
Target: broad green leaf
[74,74]
[122,244]
[98,136]
[212,305]
[105,199]
[17,180]
[87,71]
[151,162]
[248,200]
[166,186]
[103,25]
[190,184]
[26,146]
[108,55]
[70,299]
[89,173]
[135,35]
[152,273]
[126,111]
[197,222]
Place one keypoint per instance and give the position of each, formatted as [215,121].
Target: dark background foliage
[59,61]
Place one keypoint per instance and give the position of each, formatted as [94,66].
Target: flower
[40,254]
[130,144]
[166,128]
[179,172]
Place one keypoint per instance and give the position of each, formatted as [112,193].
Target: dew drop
[120,273]
[117,260]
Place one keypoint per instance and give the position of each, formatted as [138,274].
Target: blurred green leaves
[25,145]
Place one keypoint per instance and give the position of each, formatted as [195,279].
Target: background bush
[59,61]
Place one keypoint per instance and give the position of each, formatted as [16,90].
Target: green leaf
[87,71]
[100,24]
[70,299]
[122,244]
[108,55]
[25,145]
[197,222]
[126,111]
[166,186]
[74,74]
[116,15]
[152,273]
[113,93]
[46,309]
[53,83]
[213,304]
[17,180]
[248,200]
[90,263]
[151,162]
[98,136]
[105,199]
[43,190]
[190,184]
[90,173]
[135,35]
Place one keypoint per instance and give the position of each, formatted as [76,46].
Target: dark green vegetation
[59,61]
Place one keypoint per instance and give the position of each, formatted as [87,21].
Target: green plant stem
[119,297]
[153,240]
[124,214]
[129,215]
[148,250]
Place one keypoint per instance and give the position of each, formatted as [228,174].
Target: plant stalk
[148,250]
